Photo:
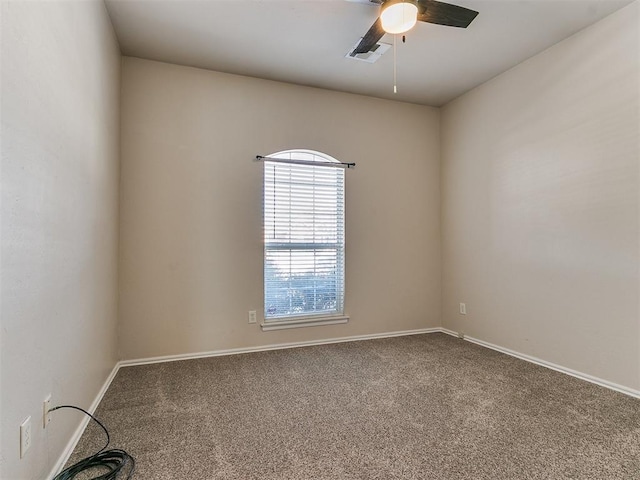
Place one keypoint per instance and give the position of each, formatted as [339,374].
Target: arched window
[303,214]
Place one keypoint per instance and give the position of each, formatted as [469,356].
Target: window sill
[299,322]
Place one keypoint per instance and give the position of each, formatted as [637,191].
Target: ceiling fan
[399,16]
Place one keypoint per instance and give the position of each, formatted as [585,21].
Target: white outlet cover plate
[46,414]
[25,436]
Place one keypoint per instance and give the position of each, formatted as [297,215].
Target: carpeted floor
[417,407]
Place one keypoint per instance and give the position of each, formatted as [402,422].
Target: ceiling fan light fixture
[399,16]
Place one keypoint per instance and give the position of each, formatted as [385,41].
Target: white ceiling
[305,41]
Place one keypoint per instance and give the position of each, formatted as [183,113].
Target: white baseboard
[75,438]
[450,332]
[277,346]
[543,363]
[235,351]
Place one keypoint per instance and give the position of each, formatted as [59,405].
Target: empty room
[320,239]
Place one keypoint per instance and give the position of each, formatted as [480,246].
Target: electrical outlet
[252,316]
[463,309]
[25,436]
[46,414]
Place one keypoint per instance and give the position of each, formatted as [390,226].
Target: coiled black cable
[115,461]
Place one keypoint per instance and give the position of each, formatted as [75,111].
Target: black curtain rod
[305,162]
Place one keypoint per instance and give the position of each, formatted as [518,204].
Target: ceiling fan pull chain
[404,39]
[395,74]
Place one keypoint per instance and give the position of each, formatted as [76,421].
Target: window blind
[303,237]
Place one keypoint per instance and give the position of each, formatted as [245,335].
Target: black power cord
[115,461]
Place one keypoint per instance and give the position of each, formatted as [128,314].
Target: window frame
[304,319]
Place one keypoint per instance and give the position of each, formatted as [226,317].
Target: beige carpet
[418,407]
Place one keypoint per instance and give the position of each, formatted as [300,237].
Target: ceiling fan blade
[441,13]
[370,38]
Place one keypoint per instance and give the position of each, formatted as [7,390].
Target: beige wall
[191,246]
[540,204]
[60,85]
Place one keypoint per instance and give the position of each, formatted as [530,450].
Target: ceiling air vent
[372,55]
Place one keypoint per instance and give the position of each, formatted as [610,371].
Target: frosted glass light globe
[399,17]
